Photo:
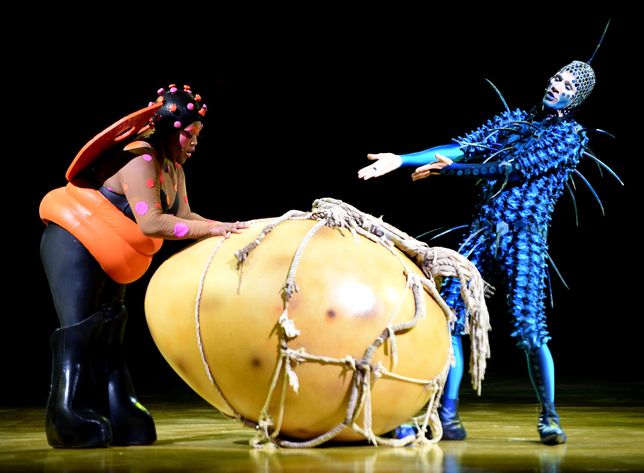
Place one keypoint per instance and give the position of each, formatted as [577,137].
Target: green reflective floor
[604,423]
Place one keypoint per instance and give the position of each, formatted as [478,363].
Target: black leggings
[78,284]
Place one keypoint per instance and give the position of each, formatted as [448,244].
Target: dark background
[295,104]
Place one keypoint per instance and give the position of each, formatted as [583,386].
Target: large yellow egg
[350,289]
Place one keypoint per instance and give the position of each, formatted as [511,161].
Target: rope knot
[287,326]
[288,289]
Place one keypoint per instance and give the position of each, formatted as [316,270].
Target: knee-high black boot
[131,423]
[453,428]
[71,420]
[542,375]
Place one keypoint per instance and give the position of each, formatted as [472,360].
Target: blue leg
[453,428]
[542,374]
[448,409]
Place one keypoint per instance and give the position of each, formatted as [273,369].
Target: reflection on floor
[604,422]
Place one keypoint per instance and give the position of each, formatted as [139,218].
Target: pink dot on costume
[147,157]
[149,182]
[141,207]
[180,230]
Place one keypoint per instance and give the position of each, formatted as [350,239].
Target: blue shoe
[402,431]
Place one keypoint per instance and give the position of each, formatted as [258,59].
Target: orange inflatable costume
[115,240]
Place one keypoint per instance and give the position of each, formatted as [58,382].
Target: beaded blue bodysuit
[524,162]
[524,165]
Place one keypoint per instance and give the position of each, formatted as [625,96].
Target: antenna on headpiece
[600,42]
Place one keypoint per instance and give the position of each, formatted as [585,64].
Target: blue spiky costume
[523,161]
[529,163]
[523,164]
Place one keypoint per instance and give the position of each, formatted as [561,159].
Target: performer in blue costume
[523,160]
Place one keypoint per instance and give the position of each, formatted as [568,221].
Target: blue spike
[602,164]
[478,145]
[602,132]
[490,134]
[574,203]
[469,239]
[601,206]
[599,168]
[552,300]
[572,181]
[554,266]
[498,92]
[505,183]
[514,130]
[439,229]
[523,122]
[601,40]
[449,230]
[469,253]
[428,232]
[497,152]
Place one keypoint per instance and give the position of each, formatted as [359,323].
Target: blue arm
[452,151]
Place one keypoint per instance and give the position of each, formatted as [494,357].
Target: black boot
[453,428]
[542,375]
[549,426]
[131,423]
[70,420]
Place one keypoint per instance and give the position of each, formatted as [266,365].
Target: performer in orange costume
[127,193]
